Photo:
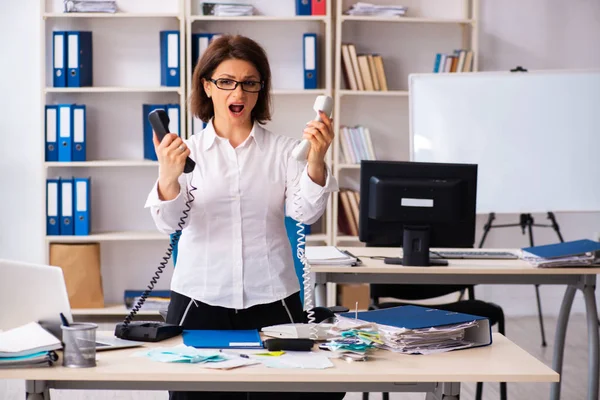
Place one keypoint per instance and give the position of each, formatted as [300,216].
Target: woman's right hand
[171,153]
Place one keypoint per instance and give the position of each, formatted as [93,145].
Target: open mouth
[236,108]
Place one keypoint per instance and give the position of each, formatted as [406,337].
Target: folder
[79,62]
[82,206]
[310,60]
[169,58]
[149,152]
[200,42]
[565,249]
[79,132]
[59,59]
[303,7]
[223,339]
[52,206]
[66,207]
[65,137]
[174,120]
[51,127]
[318,7]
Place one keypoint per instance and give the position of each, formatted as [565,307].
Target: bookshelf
[410,45]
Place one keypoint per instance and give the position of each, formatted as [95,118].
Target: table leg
[593,338]
[559,340]
[320,295]
[445,391]
[36,390]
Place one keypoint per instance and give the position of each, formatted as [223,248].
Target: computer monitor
[417,205]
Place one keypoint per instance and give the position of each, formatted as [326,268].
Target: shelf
[110,15]
[113,89]
[111,310]
[315,92]
[346,238]
[406,20]
[109,237]
[103,163]
[399,93]
[348,166]
[260,18]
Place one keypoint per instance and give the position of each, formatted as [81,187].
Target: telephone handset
[322,103]
[153,331]
[160,124]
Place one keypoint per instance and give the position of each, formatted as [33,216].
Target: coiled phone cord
[301,254]
[166,257]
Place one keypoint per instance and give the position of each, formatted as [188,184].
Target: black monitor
[417,205]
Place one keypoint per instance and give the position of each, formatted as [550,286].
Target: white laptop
[36,292]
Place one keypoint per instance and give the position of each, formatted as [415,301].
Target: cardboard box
[81,268]
[350,293]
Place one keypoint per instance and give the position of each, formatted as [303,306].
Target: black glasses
[230,84]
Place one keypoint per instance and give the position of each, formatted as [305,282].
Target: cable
[166,258]
[300,253]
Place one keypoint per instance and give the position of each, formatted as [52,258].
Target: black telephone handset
[160,124]
[153,331]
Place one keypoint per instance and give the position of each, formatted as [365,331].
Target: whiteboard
[534,135]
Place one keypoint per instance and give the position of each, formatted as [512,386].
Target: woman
[234,266]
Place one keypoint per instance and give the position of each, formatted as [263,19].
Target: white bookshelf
[408,44]
[276,27]
[126,74]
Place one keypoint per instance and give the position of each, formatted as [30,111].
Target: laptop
[36,292]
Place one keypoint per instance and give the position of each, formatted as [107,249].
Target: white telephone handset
[322,103]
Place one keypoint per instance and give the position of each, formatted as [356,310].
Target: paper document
[27,339]
[328,255]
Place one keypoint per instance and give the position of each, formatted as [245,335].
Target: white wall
[538,34]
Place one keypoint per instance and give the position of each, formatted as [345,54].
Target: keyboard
[472,255]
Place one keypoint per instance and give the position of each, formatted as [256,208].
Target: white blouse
[234,250]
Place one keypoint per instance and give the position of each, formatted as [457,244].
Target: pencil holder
[79,342]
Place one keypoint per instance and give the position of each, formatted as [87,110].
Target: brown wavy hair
[225,48]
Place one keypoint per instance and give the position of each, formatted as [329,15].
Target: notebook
[27,339]
[223,339]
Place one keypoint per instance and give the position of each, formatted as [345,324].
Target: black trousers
[197,315]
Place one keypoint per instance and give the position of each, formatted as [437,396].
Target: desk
[481,272]
[439,375]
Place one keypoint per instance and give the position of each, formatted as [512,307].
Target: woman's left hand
[320,136]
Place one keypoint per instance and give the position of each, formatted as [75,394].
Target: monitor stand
[415,249]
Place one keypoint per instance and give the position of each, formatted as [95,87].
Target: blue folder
[79,60]
[223,339]
[59,55]
[303,7]
[51,127]
[81,206]
[309,52]
[566,249]
[417,317]
[169,58]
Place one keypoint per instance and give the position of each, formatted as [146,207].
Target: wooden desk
[481,272]
[439,375]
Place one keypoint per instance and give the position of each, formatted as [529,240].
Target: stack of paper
[361,8]
[29,345]
[227,9]
[328,255]
[101,6]
[421,330]
[578,253]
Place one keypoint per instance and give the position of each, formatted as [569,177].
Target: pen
[64,319]
[236,354]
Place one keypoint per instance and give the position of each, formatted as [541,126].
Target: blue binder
[82,187]
[200,42]
[417,317]
[66,206]
[59,59]
[149,152]
[79,118]
[436,64]
[79,60]
[566,249]
[53,206]
[51,127]
[169,58]
[65,132]
[173,112]
[309,47]
[303,7]
[223,339]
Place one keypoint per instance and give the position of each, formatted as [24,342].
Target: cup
[79,345]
